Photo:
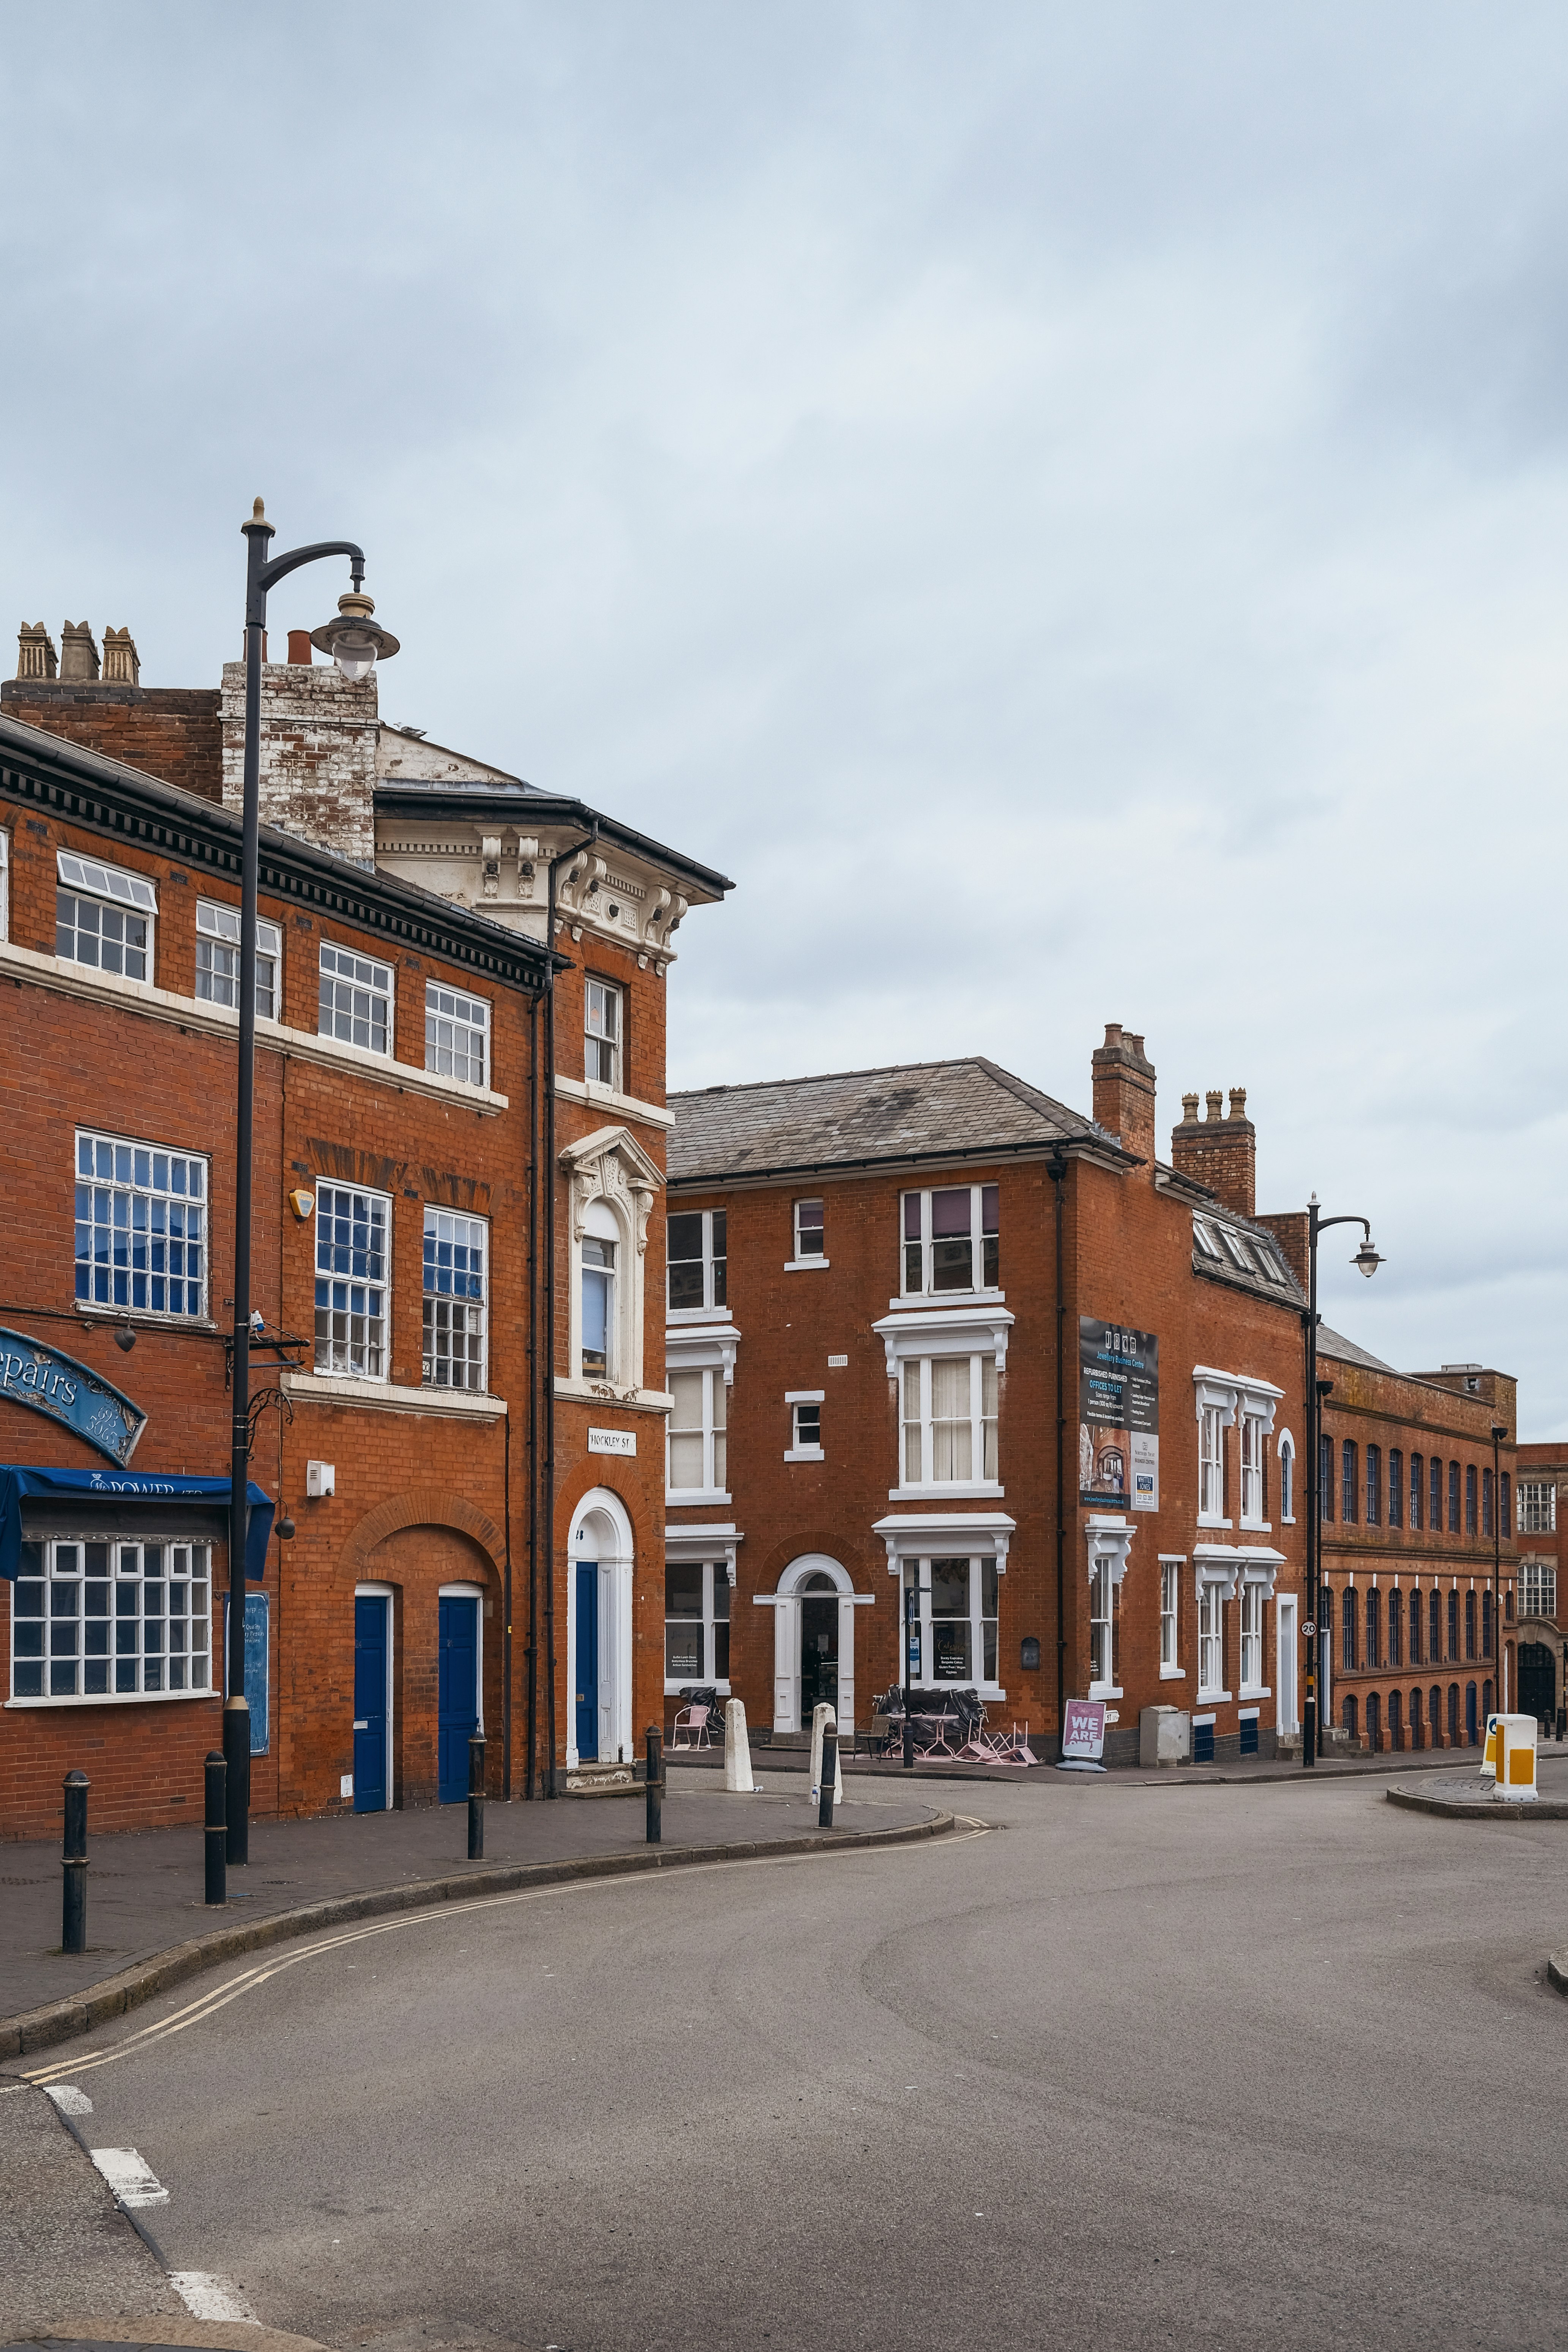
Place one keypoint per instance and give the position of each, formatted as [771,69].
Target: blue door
[371,1646]
[586,1684]
[458,1694]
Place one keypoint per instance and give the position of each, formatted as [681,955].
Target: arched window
[1486,1700]
[1453,1498]
[1348,1715]
[1374,1628]
[1348,1631]
[1287,1451]
[1453,1624]
[1453,1715]
[1326,1479]
[1471,1723]
[1395,1637]
[1434,1490]
[1435,1713]
[1470,1623]
[1486,1502]
[1415,1626]
[1395,1487]
[1415,1490]
[1486,1625]
[1373,1722]
[1418,1732]
[1504,1506]
[1395,1724]
[1348,1497]
[1374,1485]
[1469,1498]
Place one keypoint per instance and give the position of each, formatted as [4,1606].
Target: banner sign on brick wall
[1118,1416]
[37,1375]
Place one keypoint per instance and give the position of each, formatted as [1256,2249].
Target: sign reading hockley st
[612,1441]
[69,1392]
[1118,1417]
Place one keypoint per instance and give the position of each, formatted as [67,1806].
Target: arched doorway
[1470,1727]
[599,1562]
[1537,1680]
[814,1640]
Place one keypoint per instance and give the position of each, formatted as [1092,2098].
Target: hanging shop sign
[1119,1417]
[80,1400]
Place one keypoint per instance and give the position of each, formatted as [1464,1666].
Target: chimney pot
[1238,1102]
[79,654]
[1113,1032]
[122,662]
[1212,1100]
[1189,1109]
[299,653]
[35,651]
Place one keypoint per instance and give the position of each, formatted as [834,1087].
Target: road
[1181,2064]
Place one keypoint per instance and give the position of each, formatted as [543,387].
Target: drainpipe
[548,1174]
[1058,1173]
[530,1784]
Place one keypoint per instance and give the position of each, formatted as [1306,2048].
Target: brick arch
[423,1506]
[849,1553]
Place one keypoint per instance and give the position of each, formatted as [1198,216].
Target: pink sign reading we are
[1083,1728]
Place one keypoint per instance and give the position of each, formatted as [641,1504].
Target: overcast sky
[1069,506]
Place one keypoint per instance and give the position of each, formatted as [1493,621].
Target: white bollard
[737,1750]
[822,1715]
[1516,1736]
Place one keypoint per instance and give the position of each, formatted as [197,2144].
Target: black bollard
[73,1917]
[476,1797]
[216,1826]
[909,1735]
[655,1786]
[829,1775]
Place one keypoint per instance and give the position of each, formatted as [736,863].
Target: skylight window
[1204,1236]
[1234,1246]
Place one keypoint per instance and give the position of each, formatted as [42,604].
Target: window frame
[1285,1455]
[716,1577]
[1415,1518]
[595,1041]
[136,902]
[1171,1619]
[435,1014]
[42,1551]
[431,1296]
[806,1416]
[1250,1452]
[1374,1485]
[1213,1594]
[372,988]
[714,1432]
[804,1258]
[927,1242]
[984,1384]
[269,952]
[608,1273]
[1211,1466]
[714,1261]
[1251,1631]
[1529,1496]
[330,1277]
[4,883]
[1471,1500]
[134,1188]
[916,1570]
[1350,1481]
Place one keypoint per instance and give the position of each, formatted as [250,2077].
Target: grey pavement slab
[144,1886]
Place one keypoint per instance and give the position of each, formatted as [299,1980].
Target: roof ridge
[1034,1098]
[824,1077]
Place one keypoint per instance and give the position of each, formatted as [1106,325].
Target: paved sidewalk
[144,1886]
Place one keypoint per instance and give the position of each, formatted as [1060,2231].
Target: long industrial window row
[1459,1498]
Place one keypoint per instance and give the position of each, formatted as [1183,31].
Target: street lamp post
[1367,1261]
[353,641]
[1499,1434]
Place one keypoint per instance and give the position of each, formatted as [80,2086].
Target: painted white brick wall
[318,754]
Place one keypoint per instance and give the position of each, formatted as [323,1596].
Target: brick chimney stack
[1221,1152]
[1124,1090]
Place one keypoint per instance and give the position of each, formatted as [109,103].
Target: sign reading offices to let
[1083,1730]
[33,1374]
[1119,1417]
[612,1441]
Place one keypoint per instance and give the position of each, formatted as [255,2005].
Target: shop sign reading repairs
[67,1391]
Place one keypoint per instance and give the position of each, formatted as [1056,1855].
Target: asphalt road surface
[1184,2065]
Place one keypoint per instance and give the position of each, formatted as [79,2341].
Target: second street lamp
[1367,1261]
[355,642]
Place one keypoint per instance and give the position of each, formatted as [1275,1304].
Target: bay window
[949,1240]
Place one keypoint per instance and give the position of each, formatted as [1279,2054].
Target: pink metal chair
[693,1722]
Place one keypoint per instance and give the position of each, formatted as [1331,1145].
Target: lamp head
[354,640]
[1367,1260]
[125,1339]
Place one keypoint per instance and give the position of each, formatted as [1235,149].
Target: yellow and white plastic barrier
[1515,1762]
[1488,1758]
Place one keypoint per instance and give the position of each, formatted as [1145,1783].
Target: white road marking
[69,2100]
[129,2176]
[207,2297]
[207,2004]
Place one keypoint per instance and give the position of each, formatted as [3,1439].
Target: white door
[1285,1649]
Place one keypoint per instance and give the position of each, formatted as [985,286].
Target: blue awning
[19,1481]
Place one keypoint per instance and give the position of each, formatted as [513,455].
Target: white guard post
[821,1716]
[737,1750]
[1516,1761]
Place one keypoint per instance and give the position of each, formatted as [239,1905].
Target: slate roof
[910,1110]
[1231,1249]
[1335,1344]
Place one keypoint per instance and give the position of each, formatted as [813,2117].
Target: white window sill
[1260,1690]
[1106,1690]
[223,1021]
[114,1698]
[983,1491]
[688,1498]
[1258,1526]
[695,1682]
[1208,1519]
[805,1265]
[612,1399]
[1287,1518]
[1213,1698]
[921,1302]
[382,1396]
[591,1090]
[806,1454]
[153,1318]
[1172,1673]
[682,1317]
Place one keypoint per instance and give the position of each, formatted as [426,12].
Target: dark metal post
[73,1915]
[476,1796]
[911,1601]
[1310,1693]
[1499,1434]
[217,1827]
[829,1775]
[655,1786]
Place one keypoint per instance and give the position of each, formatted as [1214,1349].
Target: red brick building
[1541,1479]
[933,1333]
[475,1514]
